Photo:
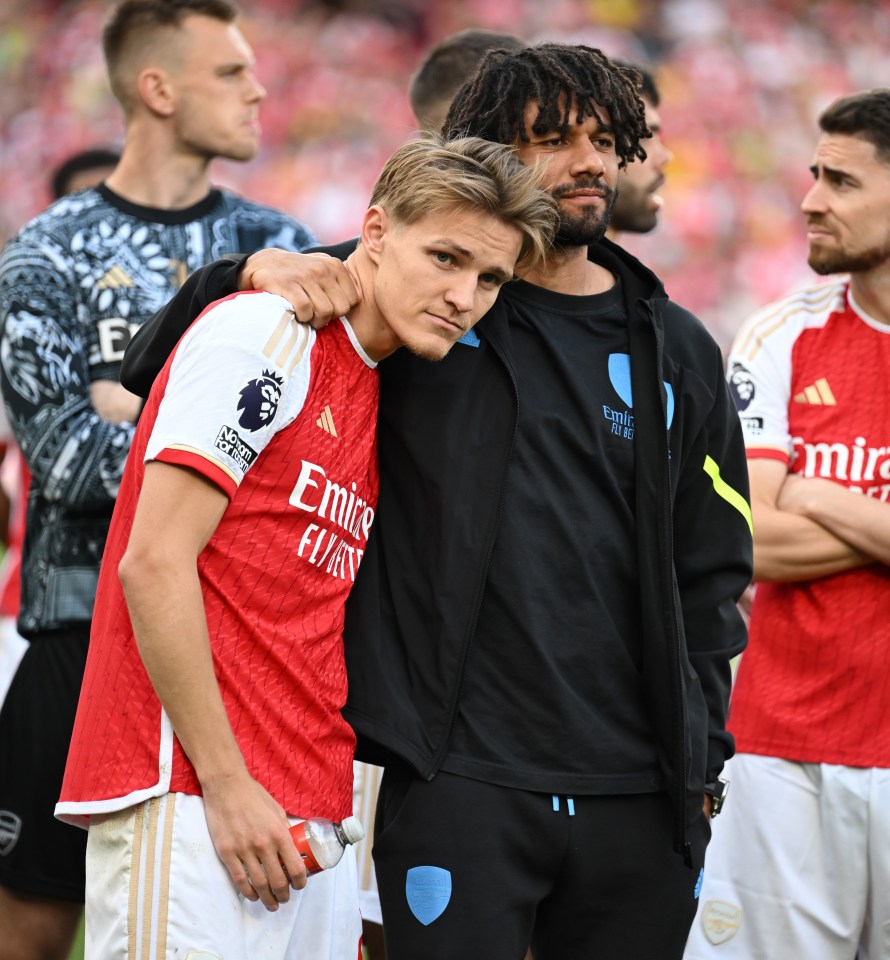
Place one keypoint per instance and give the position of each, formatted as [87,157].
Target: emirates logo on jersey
[259,401]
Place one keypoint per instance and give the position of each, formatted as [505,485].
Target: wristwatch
[717,790]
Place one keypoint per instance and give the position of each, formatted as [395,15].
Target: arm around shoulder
[153,343]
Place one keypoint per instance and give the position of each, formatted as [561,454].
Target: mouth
[582,195]
[448,324]
[816,231]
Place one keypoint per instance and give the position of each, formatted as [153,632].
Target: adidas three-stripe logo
[818,393]
[326,422]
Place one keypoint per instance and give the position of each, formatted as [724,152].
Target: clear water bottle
[321,842]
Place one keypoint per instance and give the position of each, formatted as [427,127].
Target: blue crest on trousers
[428,890]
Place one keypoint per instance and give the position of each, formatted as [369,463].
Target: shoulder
[280,228]
[54,231]
[254,321]
[246,346]
[686,339]
[777,326]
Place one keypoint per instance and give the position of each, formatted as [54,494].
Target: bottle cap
[352,829]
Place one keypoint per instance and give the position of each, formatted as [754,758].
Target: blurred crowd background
[742,83]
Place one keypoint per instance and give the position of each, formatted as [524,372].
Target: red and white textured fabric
[811,383]
[284,421]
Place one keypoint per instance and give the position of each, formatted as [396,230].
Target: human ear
[156,91]
[375,227]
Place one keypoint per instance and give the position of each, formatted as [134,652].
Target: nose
[587,159]
[256,91]
[660,153]
[462,292]
[814,201]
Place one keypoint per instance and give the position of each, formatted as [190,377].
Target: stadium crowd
[742,84]
[751,216]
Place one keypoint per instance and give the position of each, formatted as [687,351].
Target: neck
[366,320]
[871,290]
[569,271]
[153,173]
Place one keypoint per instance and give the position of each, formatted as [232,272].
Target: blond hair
[431,173]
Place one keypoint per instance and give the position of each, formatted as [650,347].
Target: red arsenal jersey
[811,376]
[283,419]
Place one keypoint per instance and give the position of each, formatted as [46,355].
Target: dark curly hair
[557,77]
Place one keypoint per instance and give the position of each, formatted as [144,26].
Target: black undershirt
[553,697]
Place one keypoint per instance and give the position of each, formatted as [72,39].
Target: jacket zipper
[452,708]
[676,653]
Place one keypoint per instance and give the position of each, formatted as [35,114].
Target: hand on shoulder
[319,287]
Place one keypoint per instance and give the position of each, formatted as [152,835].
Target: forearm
[74,456]
[792,547]
[167,613]
[114,403]
[858,520]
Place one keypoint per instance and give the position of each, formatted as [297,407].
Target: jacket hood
[640,283]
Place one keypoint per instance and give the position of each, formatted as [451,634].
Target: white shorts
[12,649]
[798,865]
[156,890]
[366,786]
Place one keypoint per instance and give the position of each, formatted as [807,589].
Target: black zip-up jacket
[445,436]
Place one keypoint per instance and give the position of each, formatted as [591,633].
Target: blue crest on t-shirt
[619,376]
[470,338]
[428,890]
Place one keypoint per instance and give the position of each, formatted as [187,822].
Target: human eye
[490,279]
[838,180]
[440,256]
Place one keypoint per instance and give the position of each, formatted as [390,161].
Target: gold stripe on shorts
[152,847]
[132,906]
[164,902]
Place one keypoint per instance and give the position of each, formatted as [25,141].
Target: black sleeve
[153,343]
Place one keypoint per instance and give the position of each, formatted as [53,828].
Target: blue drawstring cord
[570,804]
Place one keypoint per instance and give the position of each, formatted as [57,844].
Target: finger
[311,303]
[327,282]
[240,878]
[276,874]
[292,864]
[341,291]
[260,883]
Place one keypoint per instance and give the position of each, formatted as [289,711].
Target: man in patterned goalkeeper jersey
[74,284]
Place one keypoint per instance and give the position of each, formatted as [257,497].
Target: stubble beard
[632,213]
[586,228]
[827,262]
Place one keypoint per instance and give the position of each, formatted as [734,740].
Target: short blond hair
[432,173]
